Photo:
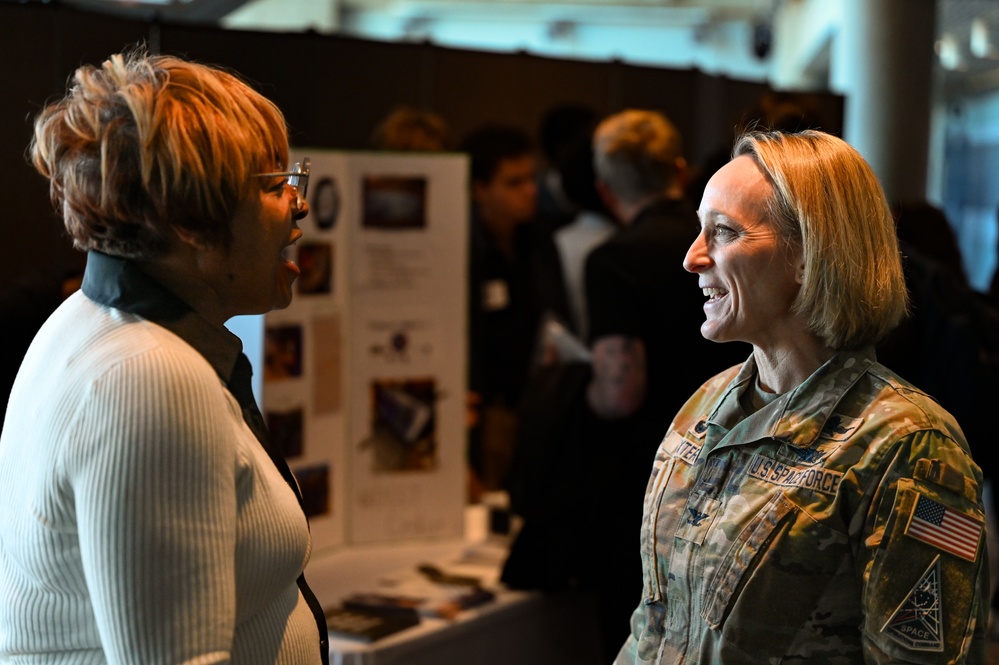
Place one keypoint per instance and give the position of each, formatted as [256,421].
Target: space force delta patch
[917,623]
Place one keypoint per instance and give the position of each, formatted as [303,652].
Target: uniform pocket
[772,577]
[653,513]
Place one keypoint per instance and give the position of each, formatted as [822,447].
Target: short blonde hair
[145,143]
[411,129]
[827,200]
[636,153]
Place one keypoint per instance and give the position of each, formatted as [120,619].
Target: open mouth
[713,293]
[289,263]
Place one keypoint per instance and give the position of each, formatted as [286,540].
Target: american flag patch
[946,529]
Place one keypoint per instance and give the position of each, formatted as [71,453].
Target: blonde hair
[827,200]
[410,129]
[145,143]
[636,153]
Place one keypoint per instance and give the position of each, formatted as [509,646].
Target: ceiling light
[949,52]
[981,41]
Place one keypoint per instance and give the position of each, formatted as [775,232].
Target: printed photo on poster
[403,429]
[287,431]
[315,261]
[325,203]
[394,202]
[314,482]
[400,341]
[282,352]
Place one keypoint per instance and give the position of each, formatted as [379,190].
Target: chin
[717,336]
[283,295]
[282,301]
[711,333]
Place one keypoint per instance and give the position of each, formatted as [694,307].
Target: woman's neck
[178,273]
[784,367]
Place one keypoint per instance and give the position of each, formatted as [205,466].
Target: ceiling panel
[968,29]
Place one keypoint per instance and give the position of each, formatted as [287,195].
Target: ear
[800,273]
[682,169]
[682,175]
[607,196]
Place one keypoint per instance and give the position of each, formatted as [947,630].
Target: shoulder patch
[918,621]
[699,428]
[944,528]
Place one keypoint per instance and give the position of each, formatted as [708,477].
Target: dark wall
[333,90]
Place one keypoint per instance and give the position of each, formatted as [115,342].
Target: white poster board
[364,374]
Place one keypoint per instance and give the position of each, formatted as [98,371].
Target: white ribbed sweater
[140,520]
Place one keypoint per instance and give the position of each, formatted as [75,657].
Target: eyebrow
[713,216]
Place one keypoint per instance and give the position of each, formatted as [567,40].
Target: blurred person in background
[503,305]
[643,333]
[409,129]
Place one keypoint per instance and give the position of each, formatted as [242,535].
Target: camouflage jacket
[842,523]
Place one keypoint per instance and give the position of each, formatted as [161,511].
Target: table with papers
[520,627]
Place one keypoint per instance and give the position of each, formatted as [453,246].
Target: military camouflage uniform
[842,523]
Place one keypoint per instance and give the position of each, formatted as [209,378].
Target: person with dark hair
[562,126]
[503,307]
[591,226]
[782,111]
[556,483]
[924,227]
[779,111]
[145,515]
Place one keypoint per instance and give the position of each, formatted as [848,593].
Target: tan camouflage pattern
[781,537]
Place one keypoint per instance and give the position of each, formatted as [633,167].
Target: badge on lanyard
[495,295]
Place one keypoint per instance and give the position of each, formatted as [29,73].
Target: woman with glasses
[144,515]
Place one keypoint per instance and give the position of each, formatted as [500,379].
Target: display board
[364,373]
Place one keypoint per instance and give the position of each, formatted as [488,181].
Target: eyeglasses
[298,177]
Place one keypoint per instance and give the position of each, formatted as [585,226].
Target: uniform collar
[797,417]
[121,284]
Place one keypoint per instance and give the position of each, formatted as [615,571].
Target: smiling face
[746,270]
[254,274]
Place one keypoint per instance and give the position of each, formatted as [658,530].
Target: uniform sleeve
[628,655]
[152,467]
[925,575]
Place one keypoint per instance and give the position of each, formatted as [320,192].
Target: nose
[300,206]
[697,258]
